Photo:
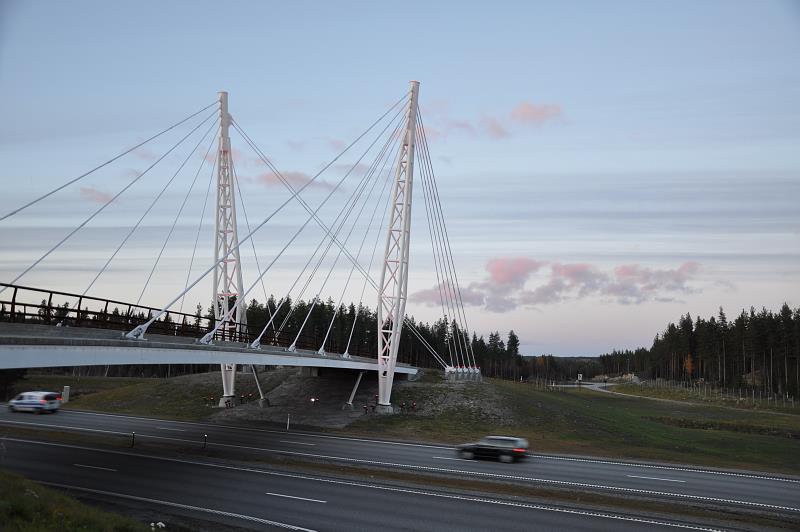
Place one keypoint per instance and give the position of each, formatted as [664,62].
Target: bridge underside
[40,346]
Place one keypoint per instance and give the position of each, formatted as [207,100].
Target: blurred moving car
[504,448]
[37,402]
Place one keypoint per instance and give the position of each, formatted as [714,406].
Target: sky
[604,167]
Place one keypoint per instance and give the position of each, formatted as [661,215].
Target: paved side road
[259,499]
[762,491]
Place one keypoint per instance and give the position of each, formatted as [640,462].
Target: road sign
[580,376]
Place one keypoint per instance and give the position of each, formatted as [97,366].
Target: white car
[37,402]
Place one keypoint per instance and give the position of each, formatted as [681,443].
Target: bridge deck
[25,345]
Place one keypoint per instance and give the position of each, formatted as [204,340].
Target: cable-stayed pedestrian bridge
[326,229]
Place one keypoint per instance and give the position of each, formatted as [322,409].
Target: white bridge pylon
[228,271]
[392,290]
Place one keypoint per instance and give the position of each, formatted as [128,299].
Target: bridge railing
[26,304]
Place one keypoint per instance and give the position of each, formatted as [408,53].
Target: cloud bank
[506,286]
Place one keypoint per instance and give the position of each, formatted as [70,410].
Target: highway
[259,499]
[193,483]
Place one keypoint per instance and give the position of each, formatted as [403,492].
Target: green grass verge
[185,398]
[595,423]
[28,507]
[692,396]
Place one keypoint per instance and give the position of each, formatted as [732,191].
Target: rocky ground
[290,393]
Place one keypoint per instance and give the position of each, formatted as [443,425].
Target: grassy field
[709,398]
[570,421]
[595,423]
[186,398]
[28,507]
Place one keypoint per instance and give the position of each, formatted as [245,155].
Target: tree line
[757,349]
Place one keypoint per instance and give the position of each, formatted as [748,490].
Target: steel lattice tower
[228,273]
[394,275]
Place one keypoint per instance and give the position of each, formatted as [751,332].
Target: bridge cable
[126,152]
[199,227]
[138,331]
[150,207]
[448,282]
[180,211]
[371,172]
[107,203]
[427,158]
[444,285]
[252,240]
[324,238]
[360,248]
[346,211]
[257,341]
[436,259]
[308,209]
[313,215]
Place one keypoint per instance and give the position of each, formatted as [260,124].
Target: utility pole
[228,283]
[394,275]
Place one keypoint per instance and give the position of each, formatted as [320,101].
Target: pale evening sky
[604,166]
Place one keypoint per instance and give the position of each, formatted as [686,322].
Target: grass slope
[28,507]
[184,398]
[595,423]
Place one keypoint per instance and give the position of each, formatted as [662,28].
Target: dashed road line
[294,497]
[85,466]
[656,478]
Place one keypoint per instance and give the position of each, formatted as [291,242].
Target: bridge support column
[349,403]
[228,285]
[228,375]
[394,275]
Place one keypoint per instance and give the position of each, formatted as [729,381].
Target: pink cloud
[145,154]
[506,286]
[337,144]
[494,128]
[94,195]
[433,296]
[530,113]
[514,271]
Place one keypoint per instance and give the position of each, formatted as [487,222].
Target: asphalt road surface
[258,495]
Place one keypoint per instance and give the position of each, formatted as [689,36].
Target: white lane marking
[407,466]
[366,440]
[95,467]
[170,428]
[179,505]
[293,497]
[446,458]
[656,478]
[298,443]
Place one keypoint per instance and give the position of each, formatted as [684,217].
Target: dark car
[503,448]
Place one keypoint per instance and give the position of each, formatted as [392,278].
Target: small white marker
[293,497]
[656,478]
[95,467]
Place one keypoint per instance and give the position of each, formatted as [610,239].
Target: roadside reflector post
[287,421]
[205,440]
[133,439]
